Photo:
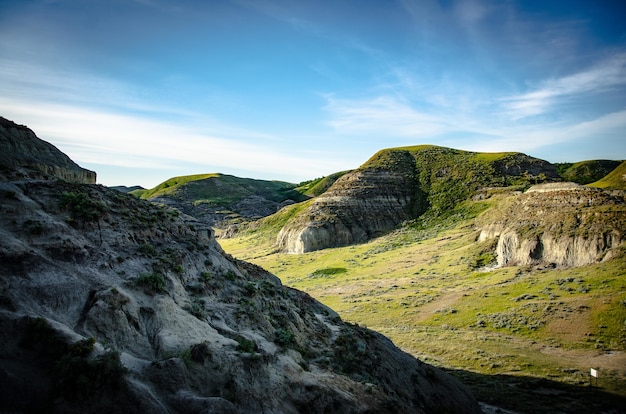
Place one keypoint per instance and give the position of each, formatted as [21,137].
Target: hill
[516,293]
[586,172]
[109,303]
[402,184]
[615,180]
[222,200]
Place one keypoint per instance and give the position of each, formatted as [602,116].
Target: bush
[284,337]
[154,282]
[78,377]
[81,207]
[246,345]
[147,249]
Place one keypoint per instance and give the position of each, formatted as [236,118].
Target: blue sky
[144,90]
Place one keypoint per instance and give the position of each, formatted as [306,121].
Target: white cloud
[608,74]
[382,115]
[92,136]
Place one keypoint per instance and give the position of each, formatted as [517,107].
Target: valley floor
[522,338]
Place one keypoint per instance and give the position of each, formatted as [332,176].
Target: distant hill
[615,180]
[586,172]
[400,184]
[125,189]
[318,186]
[220,199]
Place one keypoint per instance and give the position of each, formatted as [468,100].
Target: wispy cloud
[102,138]
[604,76]
[382,115]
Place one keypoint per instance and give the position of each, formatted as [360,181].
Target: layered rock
[24,155]
[560,224]
[113,304]
[360,205]
[401,184]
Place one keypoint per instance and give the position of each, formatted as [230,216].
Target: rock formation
[109,303]
[401,184]
[560,224]
[24,155]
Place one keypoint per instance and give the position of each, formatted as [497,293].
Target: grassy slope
[220,189]
[615,180]
[586,172]
[425,289]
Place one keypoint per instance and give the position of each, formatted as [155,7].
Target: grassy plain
[522,338]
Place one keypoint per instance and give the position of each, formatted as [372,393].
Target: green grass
[171,185]
[586,172]
[220,189]
[615,180]
[424,286]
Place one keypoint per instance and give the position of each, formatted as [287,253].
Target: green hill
[506,331]
[586,172]
[490,283]
[615,180]
[403,184]
[221,199]
[221,189]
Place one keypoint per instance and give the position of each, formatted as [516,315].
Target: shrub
[79,377]
[246,345]
[81,207]
[154,282]
[147,249]
[284,337]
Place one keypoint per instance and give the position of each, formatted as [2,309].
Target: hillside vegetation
[222,200]
[615,180]
[586,172]
[487,283]
[400,184]
[220,189]
[435,291]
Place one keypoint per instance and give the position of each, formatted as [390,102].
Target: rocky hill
[401,184]
[559,224]
[24,156]
[222,200]
[109,303]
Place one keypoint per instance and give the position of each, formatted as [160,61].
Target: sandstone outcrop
[401,184]
[559,224]
[109,303]
[24,156]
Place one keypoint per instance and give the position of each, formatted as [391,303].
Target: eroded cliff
[112,304]
[401,184]
[563,224]
[24,156]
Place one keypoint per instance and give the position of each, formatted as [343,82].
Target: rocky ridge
[24,156]
[112,304]
[401,184]
[558,224]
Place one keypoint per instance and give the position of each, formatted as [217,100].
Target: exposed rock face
[112,304]
[562,224]
[360,205]
[397,185]
[23,155]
